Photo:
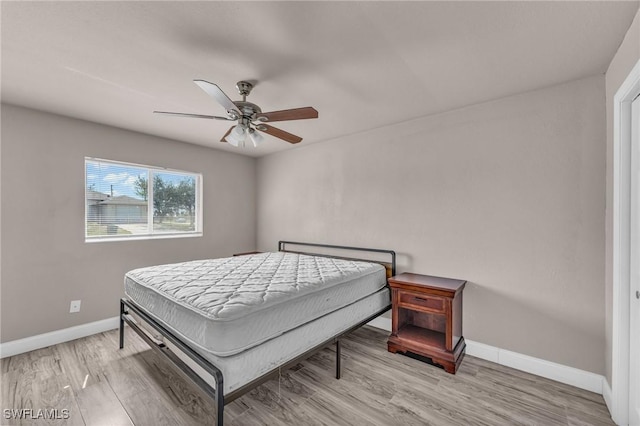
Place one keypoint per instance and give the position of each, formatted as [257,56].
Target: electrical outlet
[75,306]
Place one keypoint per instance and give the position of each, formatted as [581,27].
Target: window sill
[141,237]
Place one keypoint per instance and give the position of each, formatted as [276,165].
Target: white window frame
[199,217]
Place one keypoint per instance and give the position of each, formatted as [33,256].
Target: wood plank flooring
[101,385]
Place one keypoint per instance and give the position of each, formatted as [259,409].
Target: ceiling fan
[248,115]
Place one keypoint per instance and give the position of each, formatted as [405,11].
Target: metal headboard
[389,265]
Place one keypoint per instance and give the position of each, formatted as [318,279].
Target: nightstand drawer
[420,301]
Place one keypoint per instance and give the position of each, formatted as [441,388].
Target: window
[120,203]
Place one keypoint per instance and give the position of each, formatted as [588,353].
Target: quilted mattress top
[229,288]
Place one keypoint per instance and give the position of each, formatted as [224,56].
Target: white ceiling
[362,65]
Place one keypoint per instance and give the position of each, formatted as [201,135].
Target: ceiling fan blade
[215,92]
[288,114]
[181,114]
[278,133]
[224,138]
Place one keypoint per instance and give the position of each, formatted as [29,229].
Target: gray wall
[507,194]
[626,57]
[46,262]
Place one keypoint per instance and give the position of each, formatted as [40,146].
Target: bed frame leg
[122,312]
[338,369]
[220,412]
[219,399]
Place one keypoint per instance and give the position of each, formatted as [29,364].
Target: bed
[230,324]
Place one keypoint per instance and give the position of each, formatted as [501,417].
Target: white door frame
[634,309]
[622,245]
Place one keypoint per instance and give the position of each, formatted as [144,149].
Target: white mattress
[241,369]
[226,306]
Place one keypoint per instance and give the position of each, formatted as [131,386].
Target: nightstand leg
[449,367]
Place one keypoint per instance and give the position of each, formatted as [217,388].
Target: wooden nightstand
[427,318]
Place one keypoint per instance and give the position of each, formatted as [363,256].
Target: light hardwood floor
[101,385]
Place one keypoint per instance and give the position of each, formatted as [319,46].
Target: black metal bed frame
[217,393]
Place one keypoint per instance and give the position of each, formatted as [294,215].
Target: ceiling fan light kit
[236,136]
[255,137]
[249,116]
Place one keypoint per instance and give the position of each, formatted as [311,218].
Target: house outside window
[120,204]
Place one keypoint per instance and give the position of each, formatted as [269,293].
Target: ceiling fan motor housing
[247,109]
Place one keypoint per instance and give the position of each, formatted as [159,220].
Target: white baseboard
[561,373]
[381,322]
[606,394]
[27,344]
[482,351]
